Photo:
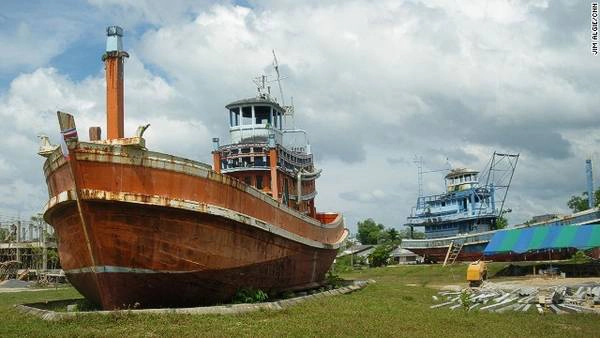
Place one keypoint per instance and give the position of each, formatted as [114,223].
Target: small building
[403,256]
[359,252]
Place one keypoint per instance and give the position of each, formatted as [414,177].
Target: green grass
[387,308]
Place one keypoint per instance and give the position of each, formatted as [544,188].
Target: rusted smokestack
[113,62]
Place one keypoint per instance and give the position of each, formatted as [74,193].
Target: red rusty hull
[161,236]
[437,255]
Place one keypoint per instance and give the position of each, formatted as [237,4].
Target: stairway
[453,251]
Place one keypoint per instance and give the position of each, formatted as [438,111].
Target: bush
[342,264]
[250,295]
[381,255]
[333,279]
[465,300]
[580,258]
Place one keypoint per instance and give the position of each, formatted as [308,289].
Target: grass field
[397,305]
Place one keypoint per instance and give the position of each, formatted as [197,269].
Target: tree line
[579,203]
[371,232]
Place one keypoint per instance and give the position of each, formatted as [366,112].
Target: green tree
[418,234]
[580,203]
[381,255]
[415,235]
[501,222]
[369,232]
[393,235]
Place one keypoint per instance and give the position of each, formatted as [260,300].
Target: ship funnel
[114,63]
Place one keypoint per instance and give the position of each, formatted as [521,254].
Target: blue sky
[374,83]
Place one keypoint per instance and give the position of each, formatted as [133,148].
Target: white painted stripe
[114,269]
[122,269]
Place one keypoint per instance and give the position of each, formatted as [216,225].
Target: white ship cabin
[252,120]
[264,154]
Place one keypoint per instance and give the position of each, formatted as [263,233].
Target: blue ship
[466,207]
[460,223]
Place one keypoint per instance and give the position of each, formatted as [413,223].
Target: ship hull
[438,254]
[471,253]
[166,239]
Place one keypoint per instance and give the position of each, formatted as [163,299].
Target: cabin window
[234,116]
[245,150]
[443,204]
[275,118]
[262,114]
[259,182]
[248,180]
[246,116]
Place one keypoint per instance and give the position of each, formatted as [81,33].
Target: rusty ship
[142,228]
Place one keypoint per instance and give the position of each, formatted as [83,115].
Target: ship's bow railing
[432,243]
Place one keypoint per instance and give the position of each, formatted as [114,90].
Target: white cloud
[29,108]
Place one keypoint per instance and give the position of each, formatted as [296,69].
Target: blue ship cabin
[465,207]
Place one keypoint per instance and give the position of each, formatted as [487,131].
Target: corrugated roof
[402,252]
[545,237]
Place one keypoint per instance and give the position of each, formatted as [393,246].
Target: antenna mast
[418,160]
[288,110]
[276,66]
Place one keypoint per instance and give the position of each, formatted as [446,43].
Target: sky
[376,84]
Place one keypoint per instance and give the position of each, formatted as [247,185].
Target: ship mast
[288,110]
[276,66]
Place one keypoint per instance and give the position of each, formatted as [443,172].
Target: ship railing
[419,219]
[296,140]
[246,132]
[433,242]
[229,167]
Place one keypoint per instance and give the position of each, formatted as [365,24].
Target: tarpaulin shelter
[522,240]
